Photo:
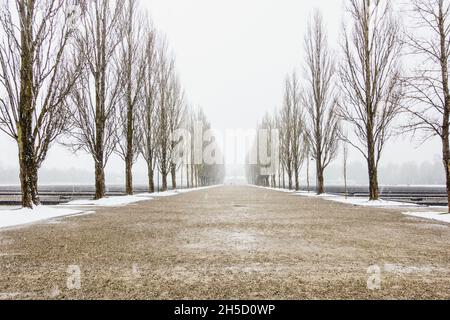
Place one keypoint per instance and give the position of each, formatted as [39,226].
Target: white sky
[232,56]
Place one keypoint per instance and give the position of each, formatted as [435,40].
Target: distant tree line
[356,99]
[96,76]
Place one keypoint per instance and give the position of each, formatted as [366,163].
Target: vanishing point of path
[227,243]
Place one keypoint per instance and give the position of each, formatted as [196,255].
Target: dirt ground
[228,243]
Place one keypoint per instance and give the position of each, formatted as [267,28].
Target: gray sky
[232,56]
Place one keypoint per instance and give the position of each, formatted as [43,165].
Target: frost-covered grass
[16,217]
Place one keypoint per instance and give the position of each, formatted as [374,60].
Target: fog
[232,58]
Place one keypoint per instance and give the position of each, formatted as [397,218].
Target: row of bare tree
[307,123]
[96,76]
[367,90]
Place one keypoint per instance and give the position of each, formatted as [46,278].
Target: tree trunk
[24,180]
[371,163]
[130,108]
[297,180]
[289,172]
[34,184]
[100,188]
[446,115]
[320,179]
[164,182]
[373,180]
[25,140]
[279,178]
[128,177]
[151,182]
[98,159]
[446,162]
[173,173]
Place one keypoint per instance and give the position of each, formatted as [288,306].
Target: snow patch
[126,200]
[171,193]
[110,201]
[363,202]
[13,218]
[436,216]
[274,189]
[312,194]
[198,189]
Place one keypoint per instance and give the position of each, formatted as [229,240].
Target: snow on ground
[315,195]
[5,208]
[126,200]
[198,189]
[274,189]
[110,201]
[443,217]
[364,202]
[13,218]
[171,193]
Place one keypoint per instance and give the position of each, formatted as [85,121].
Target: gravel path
[228,243]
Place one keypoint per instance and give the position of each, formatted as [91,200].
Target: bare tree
[278,118]
[270,127]
[344,163]
[308,154]
[189,122]
[94,102]
[428,93]
[36,77]
[131,63]
[148,120]
[263,144]
[286,125]
[320,98]
[165,74]
[370,80]
[297,128]
[176,113]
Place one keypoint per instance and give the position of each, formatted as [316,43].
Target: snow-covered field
[17,217]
